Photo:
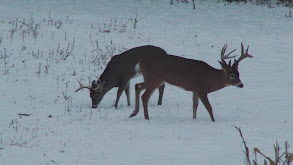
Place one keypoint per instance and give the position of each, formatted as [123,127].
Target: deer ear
[223,67]
[235,64]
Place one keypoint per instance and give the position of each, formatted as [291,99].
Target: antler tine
[223,52]
[243,55]
[223,56]
[247,51]
[81,86]
[227,56]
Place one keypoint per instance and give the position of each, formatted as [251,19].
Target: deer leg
[127,94]
[161,92]
[120,91]
[145,99]
[204,99]
[138,88]
[195,104]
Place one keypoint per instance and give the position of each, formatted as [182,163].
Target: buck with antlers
[118,73]
[191,75]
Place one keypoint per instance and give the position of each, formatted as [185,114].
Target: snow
[38,78]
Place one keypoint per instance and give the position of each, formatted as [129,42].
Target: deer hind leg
[121,88]
[195,104]
[204,99]
[138,88]
[161,92]
[127,93]
[146,97]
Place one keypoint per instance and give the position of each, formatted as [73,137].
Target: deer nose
[240,85]
[94,106]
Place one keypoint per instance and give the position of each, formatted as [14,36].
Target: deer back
[189,74]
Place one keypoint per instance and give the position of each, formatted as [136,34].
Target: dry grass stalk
[246,152]
[285,158]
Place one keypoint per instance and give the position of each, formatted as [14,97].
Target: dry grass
[281,158]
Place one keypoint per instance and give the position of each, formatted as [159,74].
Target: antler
[82,87]
[223,56]
[243,55]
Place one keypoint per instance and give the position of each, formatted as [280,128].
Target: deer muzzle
[239,85]
[96,102]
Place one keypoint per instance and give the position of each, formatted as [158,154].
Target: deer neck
[108,84]
[220,80]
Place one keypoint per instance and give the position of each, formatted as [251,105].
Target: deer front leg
[161,92]
[119,92]
[127,93]
[195,104]
[204,99]
[138,88]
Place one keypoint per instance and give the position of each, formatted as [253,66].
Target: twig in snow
[54,162]
[23,114]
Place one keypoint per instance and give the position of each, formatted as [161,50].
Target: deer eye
[232,76]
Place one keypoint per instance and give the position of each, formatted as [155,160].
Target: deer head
[231,71]
[96,92]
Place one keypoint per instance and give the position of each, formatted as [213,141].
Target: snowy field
[46,45]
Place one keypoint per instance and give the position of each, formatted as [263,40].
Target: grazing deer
[191,75]
[118,73]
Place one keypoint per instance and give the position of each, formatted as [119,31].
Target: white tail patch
[137,70]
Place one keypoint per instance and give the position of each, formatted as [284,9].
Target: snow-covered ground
[46,45]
